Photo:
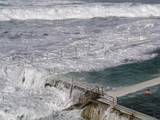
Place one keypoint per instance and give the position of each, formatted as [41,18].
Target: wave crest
[82,11]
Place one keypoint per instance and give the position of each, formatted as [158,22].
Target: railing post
[71,89]
[131,117]
[102,91]
[114,101]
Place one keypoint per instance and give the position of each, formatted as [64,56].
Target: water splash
[81,11]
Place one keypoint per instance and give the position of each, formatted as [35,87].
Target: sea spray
[24,96]
[80,11]
[107,114]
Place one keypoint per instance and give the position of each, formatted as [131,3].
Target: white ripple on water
[25,50]
[79,11]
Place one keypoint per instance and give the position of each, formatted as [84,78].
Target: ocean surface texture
[113,43]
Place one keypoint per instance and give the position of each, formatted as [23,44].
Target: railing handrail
[96,90]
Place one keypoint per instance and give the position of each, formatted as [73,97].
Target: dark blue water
[146,104]
[130,74]
[123,75]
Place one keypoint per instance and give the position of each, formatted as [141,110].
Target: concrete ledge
[135,113]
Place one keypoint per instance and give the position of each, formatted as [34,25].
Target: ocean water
[122,75]
[145,104]
[113,43]
[124,1]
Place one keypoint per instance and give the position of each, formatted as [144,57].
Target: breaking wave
[80,11]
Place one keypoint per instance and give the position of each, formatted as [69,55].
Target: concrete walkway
[134,88]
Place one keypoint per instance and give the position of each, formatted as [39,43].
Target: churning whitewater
[79,11]
[42,39]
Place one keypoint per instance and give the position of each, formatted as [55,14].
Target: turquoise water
[123,75]
[126,75]
[146,104]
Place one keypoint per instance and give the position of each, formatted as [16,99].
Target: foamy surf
[80,11]
[33,51]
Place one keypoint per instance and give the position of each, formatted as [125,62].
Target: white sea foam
[81,11]
[30,51]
